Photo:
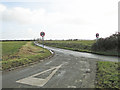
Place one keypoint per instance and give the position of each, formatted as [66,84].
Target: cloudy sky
[59,19]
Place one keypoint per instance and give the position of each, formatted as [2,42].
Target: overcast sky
[59,19]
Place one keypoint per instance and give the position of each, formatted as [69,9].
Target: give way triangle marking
[32,80]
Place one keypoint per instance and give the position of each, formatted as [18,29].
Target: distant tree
[75,39]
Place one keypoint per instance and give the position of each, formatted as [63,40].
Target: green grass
[79,45]
[107,53]
[11,47]
[25,54]
[85,42]
[108,75]
[0,50]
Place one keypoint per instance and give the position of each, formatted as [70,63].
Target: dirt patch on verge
[27,49]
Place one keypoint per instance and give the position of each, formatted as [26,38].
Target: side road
[84,54]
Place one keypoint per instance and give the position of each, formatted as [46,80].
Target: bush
[109,43]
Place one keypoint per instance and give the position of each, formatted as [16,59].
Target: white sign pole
[97,37]
[42,34]
[43,43]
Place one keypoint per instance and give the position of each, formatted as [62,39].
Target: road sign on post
[42,34]
[97,36]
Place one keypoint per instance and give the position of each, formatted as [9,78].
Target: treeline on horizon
[39,39]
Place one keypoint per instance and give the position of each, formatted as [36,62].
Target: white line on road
[31,80]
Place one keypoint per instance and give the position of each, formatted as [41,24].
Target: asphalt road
[66,69]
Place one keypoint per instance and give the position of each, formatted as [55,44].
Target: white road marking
[48,63]
[71,86]
[31,80]
[51,51]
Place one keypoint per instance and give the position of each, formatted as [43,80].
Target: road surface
[66,69]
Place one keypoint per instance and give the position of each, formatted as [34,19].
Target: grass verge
[27,54]
[108,75]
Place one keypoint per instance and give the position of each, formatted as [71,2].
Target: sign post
[97,36]
[42,34]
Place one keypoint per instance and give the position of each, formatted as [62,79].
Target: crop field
[20,53]
[108,75]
